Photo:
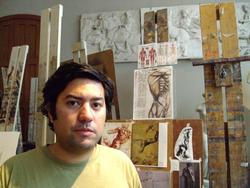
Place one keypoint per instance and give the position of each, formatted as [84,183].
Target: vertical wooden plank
[32,110]
[42,75]
[8,89]
[55,48]
[213,97]
[149,27]
[162,25]
[234,98]
[55,37]
[10,105]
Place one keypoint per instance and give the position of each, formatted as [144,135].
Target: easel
[226,132]
[49,60]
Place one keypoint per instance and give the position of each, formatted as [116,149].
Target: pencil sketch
[153,93]
[119,31]
[184,28]
[243,19]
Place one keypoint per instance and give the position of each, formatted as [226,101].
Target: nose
[85,113]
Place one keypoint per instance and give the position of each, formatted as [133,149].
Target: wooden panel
[149,27]
[42,76]
[104,62]
[213,96]
[162,25]
[234,98]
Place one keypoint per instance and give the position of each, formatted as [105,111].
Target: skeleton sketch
[243,19]
[153,93]
[184,28]
[183,149]
[119,31]
[159,85]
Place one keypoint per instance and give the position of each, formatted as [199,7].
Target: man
[76,100]
[188,179]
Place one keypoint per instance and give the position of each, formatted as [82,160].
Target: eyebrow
[80,98]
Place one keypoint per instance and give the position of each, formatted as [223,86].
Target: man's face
[81,114]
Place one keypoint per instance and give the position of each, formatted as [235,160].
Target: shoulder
[112,154]
[23,158]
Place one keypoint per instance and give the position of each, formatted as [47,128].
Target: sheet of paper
[8,145]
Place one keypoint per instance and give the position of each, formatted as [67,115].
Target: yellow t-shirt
[38,168]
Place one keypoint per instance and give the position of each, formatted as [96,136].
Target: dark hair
[66,73]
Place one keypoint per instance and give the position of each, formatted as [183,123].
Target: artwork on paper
[190,174]
[145,144]
[147,55]
[8,149]
[243,19]
[153,93]
[118,135]
[154,178]
[157,54]
[119,31]
[184,29]
[183,149]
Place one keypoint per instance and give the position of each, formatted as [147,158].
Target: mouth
[84,132]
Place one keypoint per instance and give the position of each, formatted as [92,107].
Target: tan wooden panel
[42,76]
[234,98]
[213,96]
[162,25]
[149,27]
[104,62]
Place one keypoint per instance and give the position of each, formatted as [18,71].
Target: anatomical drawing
[159,84]
[153,96]
[118,136]
[119,31]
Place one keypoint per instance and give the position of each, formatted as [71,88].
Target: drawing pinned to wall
[183,149]
[153,93]
[119,31]
[154,178]
[243,19]
[184,28]
[118,135]
[156,54]
[190,174]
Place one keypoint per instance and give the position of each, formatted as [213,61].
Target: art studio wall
[188,80]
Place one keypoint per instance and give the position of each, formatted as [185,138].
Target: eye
[73,103]
[97,105]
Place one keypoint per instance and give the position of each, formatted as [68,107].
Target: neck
[70,156]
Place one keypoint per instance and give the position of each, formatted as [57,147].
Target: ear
[50,117]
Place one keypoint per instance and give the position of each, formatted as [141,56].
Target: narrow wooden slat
[55,48]
[162,25]
[234,99]
[214,107]
[149,27]
[42,75]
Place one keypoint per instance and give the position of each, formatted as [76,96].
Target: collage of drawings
[122,31]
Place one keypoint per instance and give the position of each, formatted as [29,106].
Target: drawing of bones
[159,85]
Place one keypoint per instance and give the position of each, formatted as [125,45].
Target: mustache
[83,127]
